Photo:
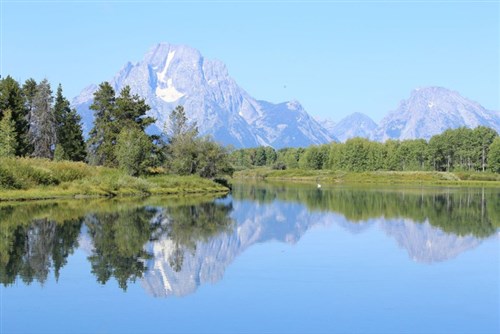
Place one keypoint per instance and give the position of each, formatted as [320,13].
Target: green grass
[24,179]
[379,177]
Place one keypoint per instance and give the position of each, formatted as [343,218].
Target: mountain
[432,110]
[354,125]
[171,75]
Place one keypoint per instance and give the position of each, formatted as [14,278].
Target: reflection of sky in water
[283,268]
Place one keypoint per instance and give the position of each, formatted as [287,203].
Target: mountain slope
[171,75]
[354,125]
[432,110]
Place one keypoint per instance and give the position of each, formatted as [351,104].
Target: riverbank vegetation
[26,178]
[43,153]
[454,156]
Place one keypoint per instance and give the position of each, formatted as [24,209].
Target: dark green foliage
[112,114]
[100,143]
[12,98]
[70,143]
[29,91]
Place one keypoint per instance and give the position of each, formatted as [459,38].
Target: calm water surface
[268,258]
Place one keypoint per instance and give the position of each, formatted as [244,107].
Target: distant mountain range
[432,110]
[171,75]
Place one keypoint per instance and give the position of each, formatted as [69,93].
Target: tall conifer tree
[43,122]
[69,131]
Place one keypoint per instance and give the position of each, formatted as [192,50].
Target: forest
[462,149]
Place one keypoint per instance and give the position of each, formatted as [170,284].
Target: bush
[7,180]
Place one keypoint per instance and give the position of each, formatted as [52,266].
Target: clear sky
[335,57]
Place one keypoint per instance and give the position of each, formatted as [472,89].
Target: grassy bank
[379,177]
[24,179]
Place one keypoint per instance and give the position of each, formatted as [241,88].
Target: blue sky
[334,57]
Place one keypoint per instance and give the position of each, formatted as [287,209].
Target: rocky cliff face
[171,75]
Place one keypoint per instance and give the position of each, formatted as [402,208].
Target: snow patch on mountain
[171,75]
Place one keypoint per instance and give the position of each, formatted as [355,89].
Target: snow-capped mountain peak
[171,75]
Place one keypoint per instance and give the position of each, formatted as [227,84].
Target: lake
[270,258]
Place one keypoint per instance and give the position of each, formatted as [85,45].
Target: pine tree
[112,115]
[70,143]
[43,123]
[8,140]
[29,91]
[12,98]
[131,111]
[100,143]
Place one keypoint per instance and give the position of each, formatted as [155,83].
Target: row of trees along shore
[35,124]
[461,149]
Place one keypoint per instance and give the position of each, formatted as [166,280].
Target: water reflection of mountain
[174,247]
[207,260]
[426,243]
[260,219]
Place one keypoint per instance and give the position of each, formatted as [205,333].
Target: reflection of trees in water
[29,251]
[462,212]
[187,225]
[118,239]
[119,233]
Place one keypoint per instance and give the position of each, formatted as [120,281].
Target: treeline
[461,149]
[35,124]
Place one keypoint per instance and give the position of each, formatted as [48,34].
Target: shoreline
[410,178]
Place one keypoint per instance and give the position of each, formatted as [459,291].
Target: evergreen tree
[100,143]
[29,91]
[70,143]
[43,122]
[8,141]
[130,111]
[12,98]
[111,116]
